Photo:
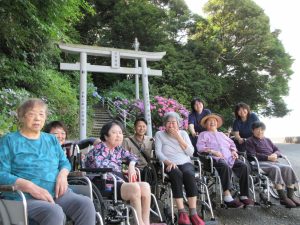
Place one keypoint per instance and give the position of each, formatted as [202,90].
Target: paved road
[276,214]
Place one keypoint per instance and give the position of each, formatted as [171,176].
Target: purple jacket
[261,148]
[217,141]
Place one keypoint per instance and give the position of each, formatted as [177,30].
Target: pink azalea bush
[158,106]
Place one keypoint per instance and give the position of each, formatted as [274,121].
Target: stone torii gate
[116,55]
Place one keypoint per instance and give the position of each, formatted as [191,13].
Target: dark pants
[241,171]
[183,175]
[77,207]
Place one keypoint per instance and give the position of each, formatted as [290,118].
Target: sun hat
[212,115]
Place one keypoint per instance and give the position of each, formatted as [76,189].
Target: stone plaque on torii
[116,54]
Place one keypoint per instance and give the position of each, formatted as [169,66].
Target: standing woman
[174,148]
[195,117]
[35,163]
[242,125]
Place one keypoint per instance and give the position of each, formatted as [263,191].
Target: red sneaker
[184,219]
[196,220]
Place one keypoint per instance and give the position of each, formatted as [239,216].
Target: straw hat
[213,115]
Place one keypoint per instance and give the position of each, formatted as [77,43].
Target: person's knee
[145,189]
[134,192]
[85,205]
[55,211]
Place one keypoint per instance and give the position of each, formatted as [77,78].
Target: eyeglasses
[35,114]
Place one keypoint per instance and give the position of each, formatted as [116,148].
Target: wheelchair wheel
[273,191]
[168,216]
[97,197]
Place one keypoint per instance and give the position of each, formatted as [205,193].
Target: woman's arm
[158,146]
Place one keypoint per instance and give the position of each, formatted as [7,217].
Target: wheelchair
[263,185]
[15,212]
[211,178]
[165,195]
[112,210]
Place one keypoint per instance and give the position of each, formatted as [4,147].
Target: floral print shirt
[102,157]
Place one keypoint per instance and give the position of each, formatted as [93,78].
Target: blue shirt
[195,118]
[37,160]
[245,127]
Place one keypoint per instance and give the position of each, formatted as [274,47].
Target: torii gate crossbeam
[116,55]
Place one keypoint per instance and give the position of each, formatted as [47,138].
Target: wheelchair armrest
[97,170]
[7,188]
[197,164]
[77,174]
[203,153]
[67,145]
[207,161]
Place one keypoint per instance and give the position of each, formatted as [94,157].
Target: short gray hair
[172,115]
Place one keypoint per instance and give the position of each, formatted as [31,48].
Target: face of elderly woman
[211,124]
[259,133]
[115,136]
[34,119]
[172,124]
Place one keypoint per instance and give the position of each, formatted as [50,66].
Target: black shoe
[234,204]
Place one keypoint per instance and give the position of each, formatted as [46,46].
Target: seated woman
[267,153]
[242,125]
[109,154]
[140,144]
[225,159]
[35,163]
[174,148]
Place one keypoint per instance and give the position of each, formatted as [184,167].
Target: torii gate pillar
[83,94]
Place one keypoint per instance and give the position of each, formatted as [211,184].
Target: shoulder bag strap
[138,147]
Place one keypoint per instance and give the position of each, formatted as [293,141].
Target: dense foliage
[231,55]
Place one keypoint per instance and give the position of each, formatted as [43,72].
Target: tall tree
[236,45]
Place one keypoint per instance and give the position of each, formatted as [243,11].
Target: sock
[228,198]
[181,210]
[193,211]
[243,197]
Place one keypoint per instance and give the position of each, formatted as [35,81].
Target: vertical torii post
[83,94]
[116,55]
[146,96]
[137,91]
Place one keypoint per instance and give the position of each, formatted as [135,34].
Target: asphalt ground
[259,215]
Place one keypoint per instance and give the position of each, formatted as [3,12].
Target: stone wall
[292,140]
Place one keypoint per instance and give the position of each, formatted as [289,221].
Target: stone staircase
[101,116]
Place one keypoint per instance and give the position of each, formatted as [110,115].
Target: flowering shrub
[158,106]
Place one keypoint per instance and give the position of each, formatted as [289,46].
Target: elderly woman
[225,159]
[242,125]
[267,153]
[35,163]
[174,148]
[110,154]
[198,112]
